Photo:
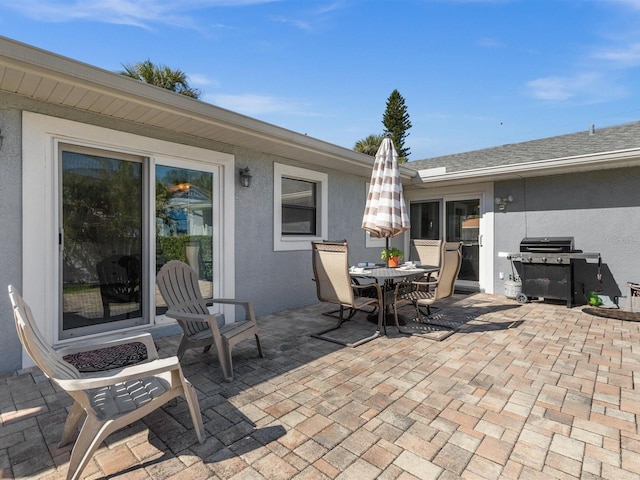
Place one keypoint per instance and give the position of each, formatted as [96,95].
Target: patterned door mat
[429,330]
[613,313]
[441,326]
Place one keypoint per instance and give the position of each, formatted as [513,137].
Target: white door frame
[483,191]
[40,271]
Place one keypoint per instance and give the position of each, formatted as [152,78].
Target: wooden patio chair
[423,293]
[178,285]
[107,400]
[335,285]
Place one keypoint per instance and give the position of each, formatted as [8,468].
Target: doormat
[435,327]
[108,358]
[613,313]
[427,330]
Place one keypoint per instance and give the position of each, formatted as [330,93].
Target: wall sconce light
[502,202]
[245,177]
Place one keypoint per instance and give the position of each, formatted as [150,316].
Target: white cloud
[138,13]
[598,75]
[489,43]
[628,56]
[316,16]
[300,24]
[123,12]
[635,4]
[203,80]
[581,87]
[551,88]
[254,105]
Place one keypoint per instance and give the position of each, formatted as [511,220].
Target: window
[300,207]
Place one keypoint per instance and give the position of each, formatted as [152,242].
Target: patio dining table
[388,276]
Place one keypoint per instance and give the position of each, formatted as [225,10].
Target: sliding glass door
[108,235]
[101,241]
[452,220]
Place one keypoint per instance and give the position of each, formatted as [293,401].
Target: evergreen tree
[161,76]
[369,145]
[396,123]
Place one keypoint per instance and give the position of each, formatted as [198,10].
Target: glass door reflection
[463,225]
[184,223]
[101,241]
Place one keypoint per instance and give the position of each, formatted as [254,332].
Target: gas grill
[547,268]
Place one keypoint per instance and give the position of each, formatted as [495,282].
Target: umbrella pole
[387,249]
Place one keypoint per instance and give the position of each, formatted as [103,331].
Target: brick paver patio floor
[519,391]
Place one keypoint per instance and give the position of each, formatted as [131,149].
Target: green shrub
[173,248]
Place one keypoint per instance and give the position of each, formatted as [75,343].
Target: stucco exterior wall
[600,209]
[274,280]
[10,233]
[279,280]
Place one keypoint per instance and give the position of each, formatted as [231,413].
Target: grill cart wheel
[522,298]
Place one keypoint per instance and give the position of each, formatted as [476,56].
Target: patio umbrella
[385,213]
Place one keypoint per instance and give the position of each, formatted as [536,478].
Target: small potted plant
[394,256]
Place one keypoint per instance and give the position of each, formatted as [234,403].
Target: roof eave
[556,166]
[248,132]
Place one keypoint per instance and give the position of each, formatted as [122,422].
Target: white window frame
[41,135]
[299,242]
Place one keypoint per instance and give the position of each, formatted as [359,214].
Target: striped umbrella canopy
[385,213]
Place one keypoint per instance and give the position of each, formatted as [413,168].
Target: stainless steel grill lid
[547,245]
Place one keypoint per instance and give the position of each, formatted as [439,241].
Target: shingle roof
[609,139]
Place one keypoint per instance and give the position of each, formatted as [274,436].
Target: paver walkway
[520,391]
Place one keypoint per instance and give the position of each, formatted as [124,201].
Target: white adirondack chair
[107,400]
[178,285]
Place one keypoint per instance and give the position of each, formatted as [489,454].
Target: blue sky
[474,73]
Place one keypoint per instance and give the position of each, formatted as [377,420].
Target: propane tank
[512,287]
